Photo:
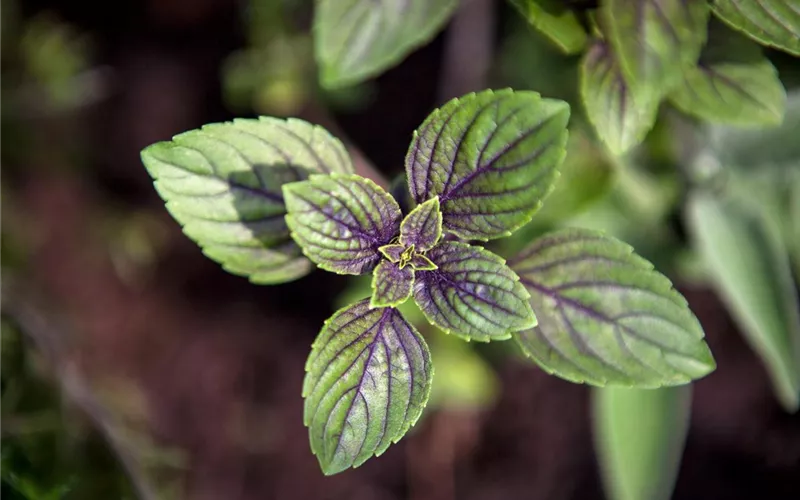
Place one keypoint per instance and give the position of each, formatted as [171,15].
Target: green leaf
[423,226]
[341,221]
[556,22]
[472,294]
[490,157]
[639,436]
[391,284]
[653,39]
[606,317]
[771,22]
[621,115]
[733,83]
[358,39]
[369,377]
[752,273]
[222,183]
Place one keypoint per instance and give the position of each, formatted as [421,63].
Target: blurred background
[134,367]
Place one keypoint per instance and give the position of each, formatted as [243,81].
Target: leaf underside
[357,39]
[653,39]
[472,294]
[368,379]
[340,221]
[605,316]
[391,285]
[621,115]
[490,157]
[223,182]
[733,83]
[771,22]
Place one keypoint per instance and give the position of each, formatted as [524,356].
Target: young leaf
[771,22]
[423,226]
[605,316]
[472,294]
[652,39]
[621,115]
[222,183]
[369,377]
[555,21]
[733,83]
[357,39]
[391,285]
[753,275]
[490,157]
[639,435]
[340,221]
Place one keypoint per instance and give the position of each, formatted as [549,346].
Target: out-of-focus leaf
[606,317]
[472,294]
[490,157]
[464,381]
[369,377]
[357,39]
[622,115]
[639,436]
[341,220]
[652,39]
[733,83]
[775,147]
[750,269]
[555,21]
[223,183]
[770,22]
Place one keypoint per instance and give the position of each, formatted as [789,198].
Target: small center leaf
[391,284]
[392,251]
[422,228]
[341,221]
[368,379]
[605,316]
[472,293]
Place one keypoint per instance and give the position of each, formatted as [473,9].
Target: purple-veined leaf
[472,293]
[555,20]
[622,115]
[653,39]
[423,226]
[223,182]
[357,39]
[606,317]
[368,379]
[340,221]
[391,284]
[770,22]
[490,157]
[421,263]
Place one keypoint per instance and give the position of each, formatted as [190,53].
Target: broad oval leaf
[490,157]
[357,39]
[733,83]
[652,39]
[423,226]
[772,22]
[223,182]
[621,115]
[368,379]
[391,284]
[639,435]
[554,20]
[752,273]
[472,294]
[606,317]
[340,221]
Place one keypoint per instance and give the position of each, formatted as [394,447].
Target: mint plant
[269,199]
